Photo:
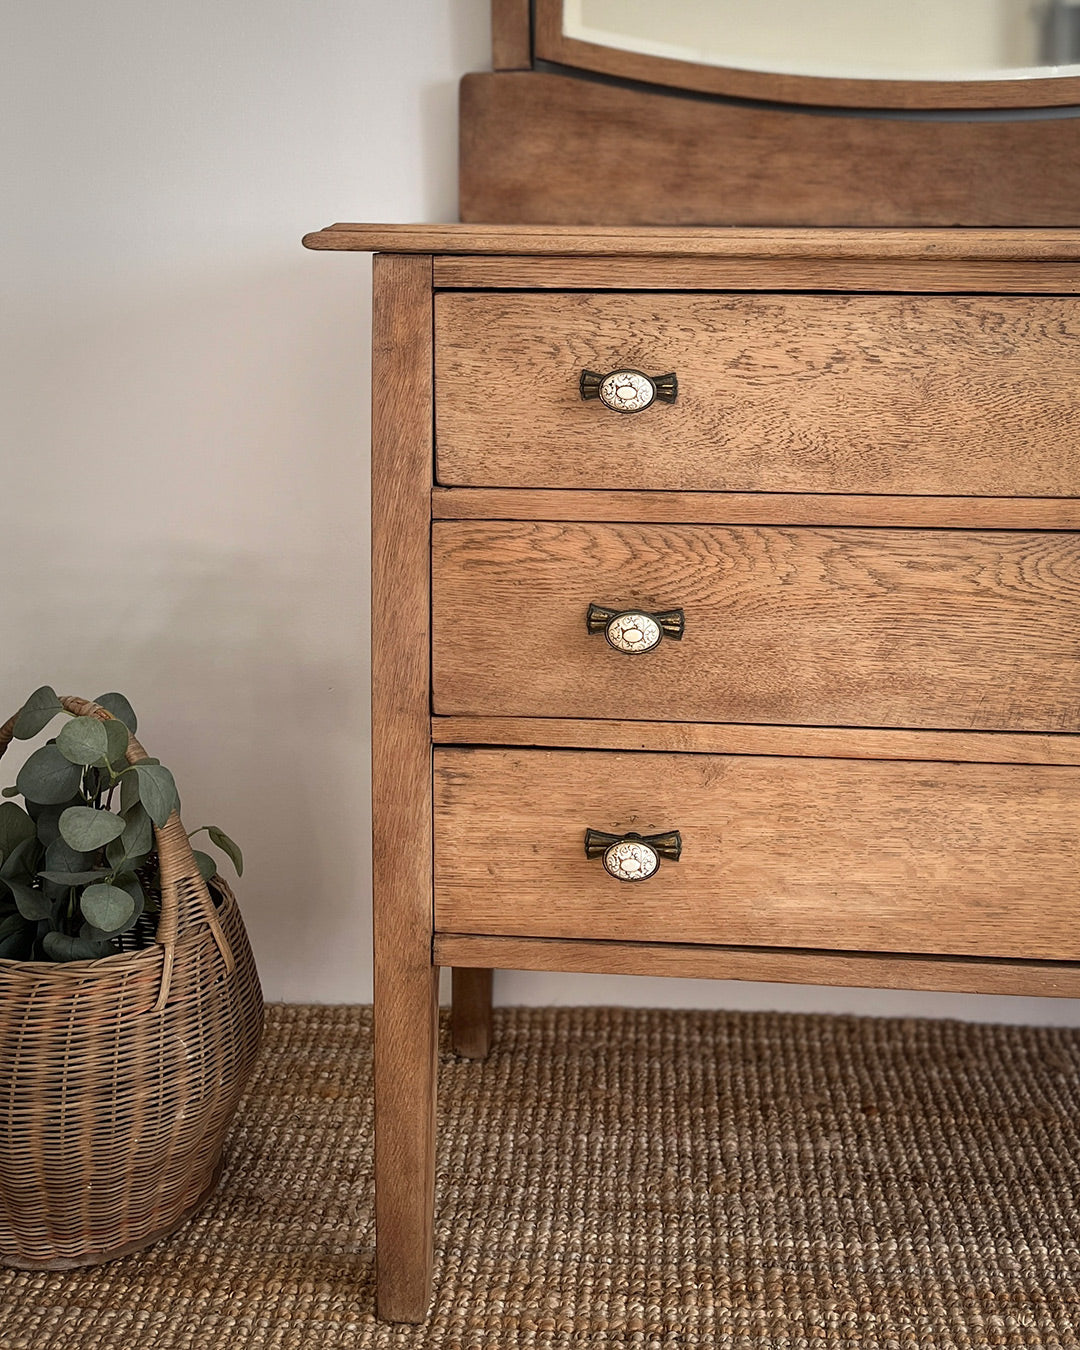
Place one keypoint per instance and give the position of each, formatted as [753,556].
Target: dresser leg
[470,1018]
[406,1058]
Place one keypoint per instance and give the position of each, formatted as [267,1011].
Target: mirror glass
[844,39]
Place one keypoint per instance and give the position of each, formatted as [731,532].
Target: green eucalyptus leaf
[89,933]
[36,713]
[84,829]
[106,907]
[19,862]
[136,841]
[228,846]
[157,792]
[121,861]
[38,813]
[120,708]
[116,751]
[16,939]
[61,857]
[62,947]
[83,740]
[10,792]
[138,836]
[130,884]
[206,865]
[75,878]
[129,790]
[48,777]
[31,903]
[128,881]
[47,823]
[15,827]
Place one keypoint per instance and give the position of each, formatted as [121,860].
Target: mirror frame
[546,144]
[551,45]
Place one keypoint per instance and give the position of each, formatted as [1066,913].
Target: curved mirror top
[939,40]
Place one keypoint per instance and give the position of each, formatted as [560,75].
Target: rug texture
[617,1177]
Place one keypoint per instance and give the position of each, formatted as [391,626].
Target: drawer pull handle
[632,857]
[628,391]
[635,630]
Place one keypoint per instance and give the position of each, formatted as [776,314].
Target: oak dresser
[726,622]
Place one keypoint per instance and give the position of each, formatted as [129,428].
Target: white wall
[185,424]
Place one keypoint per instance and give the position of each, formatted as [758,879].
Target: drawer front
[855,855]
[835,627]
[965,395]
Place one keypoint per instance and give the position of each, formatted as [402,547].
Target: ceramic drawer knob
[632,857]
[628,391]
[635,630]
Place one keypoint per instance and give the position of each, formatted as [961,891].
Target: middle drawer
[845,627]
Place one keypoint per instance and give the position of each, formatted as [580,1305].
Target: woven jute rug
[627,1178]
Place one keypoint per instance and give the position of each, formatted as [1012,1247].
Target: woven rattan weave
[119,1077]
[627,1178]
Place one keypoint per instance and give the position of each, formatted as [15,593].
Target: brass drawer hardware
[632,857]
[635,630]
[628,391]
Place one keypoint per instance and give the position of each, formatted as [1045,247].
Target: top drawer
[912,394]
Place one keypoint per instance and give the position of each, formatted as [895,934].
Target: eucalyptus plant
[78,868]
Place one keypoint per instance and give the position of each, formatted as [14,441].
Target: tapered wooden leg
[406,1057]
[470,1019]
[406,982]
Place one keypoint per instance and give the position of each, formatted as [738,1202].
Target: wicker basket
[119,1077]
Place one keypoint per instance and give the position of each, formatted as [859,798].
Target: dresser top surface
[700,242]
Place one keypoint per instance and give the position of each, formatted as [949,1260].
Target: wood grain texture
[549,149]
[975,747]
[757,508]
[955,859]
[616,240]
[720,274]
[972,975]
[470,1013]
[553,45]
[406,982]
[878,628]
[511,35]
[953,395]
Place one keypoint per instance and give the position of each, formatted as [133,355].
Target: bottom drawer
[848,854]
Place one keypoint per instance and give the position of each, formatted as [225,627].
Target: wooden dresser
[726,622]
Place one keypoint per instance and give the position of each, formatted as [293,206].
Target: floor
[619,1177]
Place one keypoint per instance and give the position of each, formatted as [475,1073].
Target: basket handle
[185,897]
